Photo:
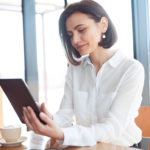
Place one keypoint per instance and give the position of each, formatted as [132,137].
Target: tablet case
[19,96]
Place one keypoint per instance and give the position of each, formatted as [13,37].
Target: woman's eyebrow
[78,26]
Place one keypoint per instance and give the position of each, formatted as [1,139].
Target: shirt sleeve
[63,118]
[123,110]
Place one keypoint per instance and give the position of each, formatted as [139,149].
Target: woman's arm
[123,111]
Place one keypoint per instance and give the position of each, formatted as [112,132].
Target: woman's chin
[83,53]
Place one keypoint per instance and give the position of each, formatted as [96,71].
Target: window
[121,15]
[52,64]
[11,56]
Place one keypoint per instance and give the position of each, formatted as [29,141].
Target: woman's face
[84,32]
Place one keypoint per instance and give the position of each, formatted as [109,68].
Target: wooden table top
[38,142]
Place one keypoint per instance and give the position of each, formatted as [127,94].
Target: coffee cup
[11,133]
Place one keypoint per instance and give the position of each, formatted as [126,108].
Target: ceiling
[42,6]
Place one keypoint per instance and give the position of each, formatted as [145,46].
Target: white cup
[11,133]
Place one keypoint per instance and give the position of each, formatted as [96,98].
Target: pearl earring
[104,36]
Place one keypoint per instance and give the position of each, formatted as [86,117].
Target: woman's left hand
[33,123]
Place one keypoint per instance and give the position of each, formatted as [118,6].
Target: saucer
[12,144]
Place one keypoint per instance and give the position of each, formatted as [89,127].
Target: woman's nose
[75,39]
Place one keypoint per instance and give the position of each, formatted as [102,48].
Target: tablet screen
[19,96]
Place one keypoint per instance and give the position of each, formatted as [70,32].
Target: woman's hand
[33,123]
[43,108]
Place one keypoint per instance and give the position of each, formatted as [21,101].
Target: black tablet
[19,96]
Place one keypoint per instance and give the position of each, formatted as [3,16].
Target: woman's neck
[100,56]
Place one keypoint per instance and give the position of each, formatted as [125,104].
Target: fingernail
[29,107]
[41,113]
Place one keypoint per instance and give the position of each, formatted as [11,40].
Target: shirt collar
[114,61]
[86,61]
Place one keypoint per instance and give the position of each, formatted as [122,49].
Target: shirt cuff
[72,138]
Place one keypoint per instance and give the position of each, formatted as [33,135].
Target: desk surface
[38,142]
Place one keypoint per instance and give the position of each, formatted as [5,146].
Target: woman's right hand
[43,108]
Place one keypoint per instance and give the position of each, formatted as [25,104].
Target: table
[35,141]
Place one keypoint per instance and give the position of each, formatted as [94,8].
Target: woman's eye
[81,30]
[70,35]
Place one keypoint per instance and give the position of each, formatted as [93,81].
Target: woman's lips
[79,47]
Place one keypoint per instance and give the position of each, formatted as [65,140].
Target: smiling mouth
[80,46]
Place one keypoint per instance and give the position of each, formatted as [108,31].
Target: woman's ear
[103,24]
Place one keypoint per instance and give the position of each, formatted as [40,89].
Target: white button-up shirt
[104,105]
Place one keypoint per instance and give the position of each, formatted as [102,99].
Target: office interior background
[30,47]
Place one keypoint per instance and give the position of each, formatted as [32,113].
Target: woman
[103,90]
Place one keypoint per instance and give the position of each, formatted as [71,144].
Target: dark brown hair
[94,11]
